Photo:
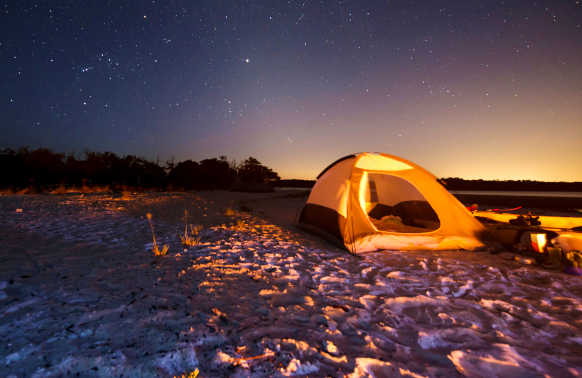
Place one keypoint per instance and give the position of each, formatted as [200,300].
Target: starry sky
[473,89]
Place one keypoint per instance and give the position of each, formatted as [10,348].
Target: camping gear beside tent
[510,229]
[372,201]
[512,235]
[550,222]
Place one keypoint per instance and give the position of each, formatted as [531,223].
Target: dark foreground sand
[82,294]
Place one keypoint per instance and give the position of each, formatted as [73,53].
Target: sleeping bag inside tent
[371,201]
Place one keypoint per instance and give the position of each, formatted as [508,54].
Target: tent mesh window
[394,204]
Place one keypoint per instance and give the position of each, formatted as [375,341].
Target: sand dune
[82,293]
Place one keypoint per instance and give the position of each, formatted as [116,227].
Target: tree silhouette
[251,167]
[209,174]
[216,174]
[12,173]
[184,174]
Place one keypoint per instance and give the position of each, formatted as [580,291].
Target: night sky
[472,89]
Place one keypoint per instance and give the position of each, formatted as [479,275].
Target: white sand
[82,293]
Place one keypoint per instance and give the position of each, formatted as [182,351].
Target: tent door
[393,204]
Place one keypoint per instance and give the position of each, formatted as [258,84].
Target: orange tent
[372,201]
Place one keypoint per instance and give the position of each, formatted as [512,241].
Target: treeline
[43,169]
[455,183]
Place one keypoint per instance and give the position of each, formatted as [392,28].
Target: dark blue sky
[475,89]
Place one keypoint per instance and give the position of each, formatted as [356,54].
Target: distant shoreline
[570,202]
[489,187]
[539,200]
[521,193]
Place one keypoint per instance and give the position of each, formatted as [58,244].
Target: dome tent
[370,201]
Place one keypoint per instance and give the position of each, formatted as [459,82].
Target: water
[494,193]
[518,193]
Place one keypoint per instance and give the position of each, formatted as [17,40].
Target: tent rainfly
[371,201]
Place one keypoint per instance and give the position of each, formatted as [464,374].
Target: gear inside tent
[372,201]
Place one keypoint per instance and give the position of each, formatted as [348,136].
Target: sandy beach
[82,294]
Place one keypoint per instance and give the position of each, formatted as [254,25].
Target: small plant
[240,223]
[98,188]
[160,252]
[196,228]
[60,190]
[155,247]
[229,211]
[30,190]
[194,239]
[193,374]
[126,195]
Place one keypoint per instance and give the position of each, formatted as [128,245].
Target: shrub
[230,211]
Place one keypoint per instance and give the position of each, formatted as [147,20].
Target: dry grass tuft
[160,252]
[156,248]
[6,192]
[196,228]
[193,374]
[30,190]
[192,239]
[60,190]
[230,211]
[100,189]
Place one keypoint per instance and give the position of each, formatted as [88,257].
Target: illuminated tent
[371,201]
